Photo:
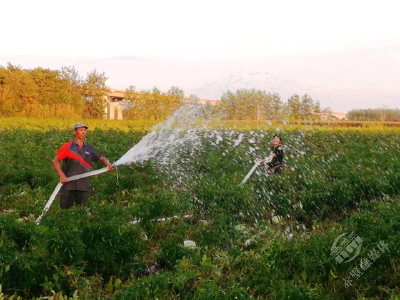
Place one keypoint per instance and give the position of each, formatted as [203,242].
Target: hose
[59,185]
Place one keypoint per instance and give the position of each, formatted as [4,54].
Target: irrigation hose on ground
[103,170]
[59,185]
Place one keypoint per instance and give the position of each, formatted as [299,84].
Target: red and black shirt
[77,161]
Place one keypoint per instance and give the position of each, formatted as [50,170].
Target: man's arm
[272,155]
[106,163]
[56,164]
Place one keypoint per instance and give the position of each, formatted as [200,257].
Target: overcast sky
[344,53]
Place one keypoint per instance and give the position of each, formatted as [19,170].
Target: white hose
[266,160]
[59,185]
[251,172]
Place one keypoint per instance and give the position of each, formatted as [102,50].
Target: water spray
[180,135]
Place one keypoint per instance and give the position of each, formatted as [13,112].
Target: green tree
[18,90]
[293,106]
[95,93]
[306,107]
[151,105]
[177,92]
[377,114]
[276,106]
[317,107]
[250,104]
[72,75]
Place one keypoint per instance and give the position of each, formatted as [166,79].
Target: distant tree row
[64,93]
[252,104]
[53,93]
[377,114]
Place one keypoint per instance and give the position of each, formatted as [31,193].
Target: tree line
[252,104]
[43,92]
[377,114]
[65,93]
[244,104]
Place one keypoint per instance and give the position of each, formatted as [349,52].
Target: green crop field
[270,238]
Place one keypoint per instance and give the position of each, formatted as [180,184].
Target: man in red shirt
[77,158]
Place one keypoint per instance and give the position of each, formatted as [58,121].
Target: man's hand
[262,161]
[106,163]
[56,163]
[63,178]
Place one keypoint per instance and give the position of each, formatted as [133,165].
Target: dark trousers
[276,169]
[69,198]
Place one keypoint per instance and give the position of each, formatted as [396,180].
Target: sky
[346,54]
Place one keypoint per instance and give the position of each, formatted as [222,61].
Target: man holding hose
[276,164]
[77,158]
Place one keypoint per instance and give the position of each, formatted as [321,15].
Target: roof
[339,115]
[116,93]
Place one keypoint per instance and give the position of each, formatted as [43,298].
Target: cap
[79,125]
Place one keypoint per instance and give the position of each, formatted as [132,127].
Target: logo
[87,152]
[345,245]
